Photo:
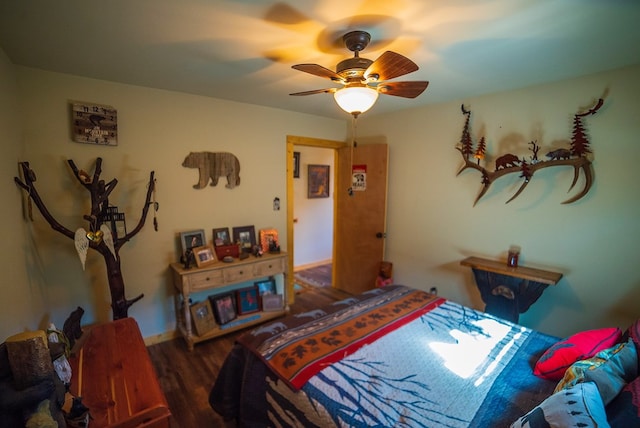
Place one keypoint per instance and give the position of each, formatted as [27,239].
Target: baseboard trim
[162,337]
[311,265]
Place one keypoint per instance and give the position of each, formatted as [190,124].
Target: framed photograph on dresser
[202,315]
[248,300]
[224,307]
[272,302]
[267,286]
[191,239]
[204,255]
[246,237]
[221,236]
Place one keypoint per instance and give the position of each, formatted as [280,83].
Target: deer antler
[507,164]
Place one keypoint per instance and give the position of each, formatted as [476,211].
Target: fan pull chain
[354,127]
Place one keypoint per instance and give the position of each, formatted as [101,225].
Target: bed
[422,361]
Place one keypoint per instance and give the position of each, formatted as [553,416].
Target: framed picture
[191,239]
[202,316]
[272,302]
[246,237]
[221,237]
[248,300]
[318,181]
[224,307]
[296,164]
[269,240]
[204,255]
[266,287]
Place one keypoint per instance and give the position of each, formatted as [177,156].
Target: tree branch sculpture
[575,156]
[99,192]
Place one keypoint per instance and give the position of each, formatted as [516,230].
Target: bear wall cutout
[213,165]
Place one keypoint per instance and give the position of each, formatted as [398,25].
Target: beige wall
[432,224]
[22,300]
[595,242]
[157,129]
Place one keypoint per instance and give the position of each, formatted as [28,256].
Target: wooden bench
[113,374]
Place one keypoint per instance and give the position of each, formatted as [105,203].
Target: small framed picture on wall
[318,181]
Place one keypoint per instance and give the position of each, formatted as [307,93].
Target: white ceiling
[243,50]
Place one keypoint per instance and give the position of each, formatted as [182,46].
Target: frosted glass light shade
[356,99]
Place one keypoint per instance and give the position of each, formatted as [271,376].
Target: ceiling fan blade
[390,65]
[318,70]
[403,89]
[316,91]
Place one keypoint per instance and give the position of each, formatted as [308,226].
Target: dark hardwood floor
[187,377]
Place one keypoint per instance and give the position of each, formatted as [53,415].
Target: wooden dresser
[215,277]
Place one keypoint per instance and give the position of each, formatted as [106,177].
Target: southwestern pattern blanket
[451,366]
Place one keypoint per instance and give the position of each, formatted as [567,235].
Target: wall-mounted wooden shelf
[537,275]
[509,291]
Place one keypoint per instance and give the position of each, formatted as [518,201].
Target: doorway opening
[310,221]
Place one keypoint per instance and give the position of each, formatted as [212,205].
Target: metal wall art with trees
[99,237]
[576,155]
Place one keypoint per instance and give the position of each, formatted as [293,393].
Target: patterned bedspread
[299,347]
[449,367]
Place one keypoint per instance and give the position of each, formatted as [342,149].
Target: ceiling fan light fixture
[356,100]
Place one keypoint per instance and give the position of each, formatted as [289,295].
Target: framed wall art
[203,318]
[224,307]
[248,300]
[204,255]
[296,164]
[246,237]
[192,239]
[318,181]
[221,236]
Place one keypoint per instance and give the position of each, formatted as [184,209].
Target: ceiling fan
[364,79]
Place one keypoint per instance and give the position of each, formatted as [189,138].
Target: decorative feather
[82,245]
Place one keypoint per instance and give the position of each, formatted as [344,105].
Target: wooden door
[360,217]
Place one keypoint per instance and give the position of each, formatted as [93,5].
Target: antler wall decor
[575,155]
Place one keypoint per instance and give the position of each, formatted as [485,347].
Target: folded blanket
[299,346]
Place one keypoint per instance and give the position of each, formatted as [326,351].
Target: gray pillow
[577,406]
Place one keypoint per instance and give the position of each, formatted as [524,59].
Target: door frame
[292,141]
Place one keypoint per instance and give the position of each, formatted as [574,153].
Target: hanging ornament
[82,244]
[108,238]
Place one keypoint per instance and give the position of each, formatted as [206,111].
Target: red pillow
[557,359]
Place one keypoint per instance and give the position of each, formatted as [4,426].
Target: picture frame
[272,302]
[246,237]
[202,316]
[248,300]
[266,287]
[318,181]
[192,239]
[224,307]
[269,240]
[204,255]
[221,237]
[296,164]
